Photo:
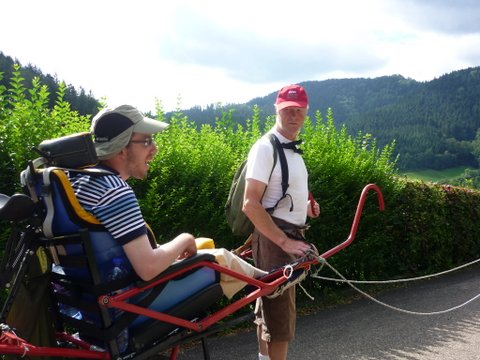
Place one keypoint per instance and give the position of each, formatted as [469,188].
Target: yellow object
[205,243]
[42,259]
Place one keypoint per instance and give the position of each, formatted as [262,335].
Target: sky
[188,53]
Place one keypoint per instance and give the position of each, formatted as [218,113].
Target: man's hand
[295,247]
[313,207]
[313,211]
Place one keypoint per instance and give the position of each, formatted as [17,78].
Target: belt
[291,230]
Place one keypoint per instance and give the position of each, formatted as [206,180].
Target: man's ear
[123,152]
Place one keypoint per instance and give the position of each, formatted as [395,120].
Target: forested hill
[434,123]
[79,100]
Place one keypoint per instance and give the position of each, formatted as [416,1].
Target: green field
[436,175]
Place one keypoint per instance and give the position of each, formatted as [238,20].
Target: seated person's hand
[190,250]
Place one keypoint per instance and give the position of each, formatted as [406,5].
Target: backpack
[236,219]
[30,313]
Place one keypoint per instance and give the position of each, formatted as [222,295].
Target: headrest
[72,151]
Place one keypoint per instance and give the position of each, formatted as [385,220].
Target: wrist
[282,240]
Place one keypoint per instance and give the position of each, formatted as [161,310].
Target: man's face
[141,150]
[290,120]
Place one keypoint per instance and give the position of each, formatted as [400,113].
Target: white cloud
[218,51]
[445,16]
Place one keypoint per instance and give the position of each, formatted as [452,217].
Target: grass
[436,175]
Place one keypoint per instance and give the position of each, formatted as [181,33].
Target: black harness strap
[284,169]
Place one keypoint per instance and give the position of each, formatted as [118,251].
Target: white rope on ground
[392,281]
[350,282]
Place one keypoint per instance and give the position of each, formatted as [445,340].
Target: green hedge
[25,121]
[425,228]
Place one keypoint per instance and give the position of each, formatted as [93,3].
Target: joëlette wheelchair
[50,228]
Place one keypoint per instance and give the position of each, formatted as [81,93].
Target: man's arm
[148,262]
[257,214]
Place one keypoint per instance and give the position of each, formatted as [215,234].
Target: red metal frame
[356,219]
[10,344]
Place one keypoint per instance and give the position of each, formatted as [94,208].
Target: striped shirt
[112,201]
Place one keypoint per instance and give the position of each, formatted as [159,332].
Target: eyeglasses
[147,142]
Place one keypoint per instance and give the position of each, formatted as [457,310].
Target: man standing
[278,237]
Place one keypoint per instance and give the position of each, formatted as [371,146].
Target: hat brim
[149,126]
[285,104]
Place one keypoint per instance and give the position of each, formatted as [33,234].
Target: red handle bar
[356,219]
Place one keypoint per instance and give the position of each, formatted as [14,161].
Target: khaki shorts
[276,317]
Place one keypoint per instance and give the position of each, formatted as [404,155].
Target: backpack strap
[283,162]
[278,149]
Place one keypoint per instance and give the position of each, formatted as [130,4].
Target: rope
[288,271]
[351,283]
[305,291]
[315,275]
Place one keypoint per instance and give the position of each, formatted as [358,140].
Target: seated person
[124,145]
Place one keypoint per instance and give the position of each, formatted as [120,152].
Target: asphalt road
[365,330]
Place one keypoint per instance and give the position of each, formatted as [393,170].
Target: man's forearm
[262,220]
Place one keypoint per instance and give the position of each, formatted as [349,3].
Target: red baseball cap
[291,95]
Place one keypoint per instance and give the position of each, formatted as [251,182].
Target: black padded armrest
[17,207]
[179,265]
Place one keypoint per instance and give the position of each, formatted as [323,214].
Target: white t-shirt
[259,167]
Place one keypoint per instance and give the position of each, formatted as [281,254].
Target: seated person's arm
[148,262]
